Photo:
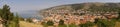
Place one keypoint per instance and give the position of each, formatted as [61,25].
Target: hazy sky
[31,6]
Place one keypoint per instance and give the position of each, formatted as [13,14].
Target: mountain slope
[82,8]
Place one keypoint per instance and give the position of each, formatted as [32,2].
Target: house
[34,20]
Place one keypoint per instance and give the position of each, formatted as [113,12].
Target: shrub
[105,23]
[88,24]
[50,23]
[61,22]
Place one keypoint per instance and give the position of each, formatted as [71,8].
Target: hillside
[100,14]
[91,8]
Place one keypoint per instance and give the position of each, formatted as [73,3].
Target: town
[78,19]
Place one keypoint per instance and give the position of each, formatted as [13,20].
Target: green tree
[16,20]
[105,23]
[29,20]
[8,17]
[61,22]
[118,17]
[0,12]
[50,23]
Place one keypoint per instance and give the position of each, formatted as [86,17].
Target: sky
[30,8]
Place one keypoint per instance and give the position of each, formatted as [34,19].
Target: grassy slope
[26,24]
[116,25]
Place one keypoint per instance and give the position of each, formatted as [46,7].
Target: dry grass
[117,24]
[27,24]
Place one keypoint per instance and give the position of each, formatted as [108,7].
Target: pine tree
[8,17]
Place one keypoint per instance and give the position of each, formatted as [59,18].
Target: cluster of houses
[69,16]
[78,19]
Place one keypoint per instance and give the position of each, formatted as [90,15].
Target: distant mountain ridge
[82,8]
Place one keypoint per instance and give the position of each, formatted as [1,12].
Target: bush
[50,23]
[88,24]
[61,22]
[29,20]
[105,23]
